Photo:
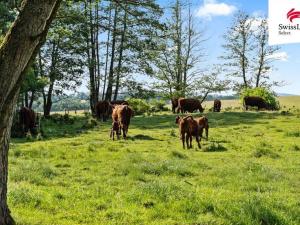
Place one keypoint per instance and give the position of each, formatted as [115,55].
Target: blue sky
[216,15]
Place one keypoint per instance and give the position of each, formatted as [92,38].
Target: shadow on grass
[224,119]
[142,137]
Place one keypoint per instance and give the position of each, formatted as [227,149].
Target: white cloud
[282,56]
[211,8]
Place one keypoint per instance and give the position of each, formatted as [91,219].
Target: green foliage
[158,105]
[139,106]
[264,93]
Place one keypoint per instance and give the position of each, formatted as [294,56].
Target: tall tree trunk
[26,100]
[48,100]
[121,55]
[91,52]
[107,52]
[111,68]
[32,96]
[178,42]
[22,42]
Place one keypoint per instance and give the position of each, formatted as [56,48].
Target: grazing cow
[189,105]
[217,105]
[188,128]
[102,110]
[27,120]
[121,120]
[254,101]
[174,102]
[203,124]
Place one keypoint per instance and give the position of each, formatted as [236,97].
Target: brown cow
[102,110]
[174,102]
[188,128]
[255,101]
[189,105]
[27,120]
[217,105]
[121,120]
[203,124]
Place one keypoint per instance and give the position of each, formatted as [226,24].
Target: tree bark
[121,55]
[111,68]
[17,51]
[107,53]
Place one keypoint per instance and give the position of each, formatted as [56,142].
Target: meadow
[247,173]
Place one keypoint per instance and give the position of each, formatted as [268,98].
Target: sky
[215,16]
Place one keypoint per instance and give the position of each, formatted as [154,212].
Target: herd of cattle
[121,114]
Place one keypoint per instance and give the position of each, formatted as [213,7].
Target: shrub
[139,106]
[158,105]
[264,93]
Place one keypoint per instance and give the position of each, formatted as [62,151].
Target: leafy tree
[178,54]
[248,57]
[238,48]
[60,60]
[22,42]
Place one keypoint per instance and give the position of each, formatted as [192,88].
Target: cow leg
[124,133]
[191,140]
[187,141]
[198,139]
[206,131]
[183,140]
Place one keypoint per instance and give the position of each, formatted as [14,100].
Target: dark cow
[121,117]
[27,120]
[102,110]
[255,101]
[217,105]
[174,102]
[189,105]
[188,128]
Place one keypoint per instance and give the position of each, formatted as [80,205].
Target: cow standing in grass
[174,102]
[189,105]
[217,105]
[203,124]
[102,110]
[27,120]
[188,128]
[254,101]
[121,117]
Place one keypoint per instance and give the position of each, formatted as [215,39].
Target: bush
[139,106]
[264,93]
[158,105]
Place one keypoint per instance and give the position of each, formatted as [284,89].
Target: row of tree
[105,44]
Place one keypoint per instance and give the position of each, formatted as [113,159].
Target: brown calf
[188,128]
[203,124]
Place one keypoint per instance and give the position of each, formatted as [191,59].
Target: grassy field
[285,103]
[247,173]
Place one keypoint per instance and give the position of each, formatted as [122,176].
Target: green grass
[247,173]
